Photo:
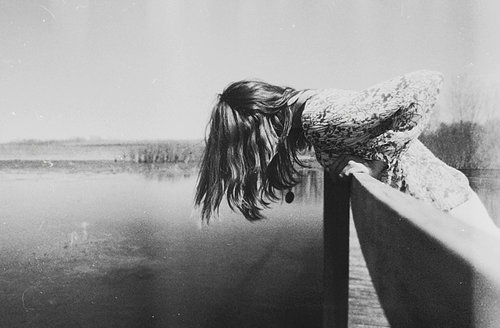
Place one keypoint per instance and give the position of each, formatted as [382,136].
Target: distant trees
[465,144]
[472,139]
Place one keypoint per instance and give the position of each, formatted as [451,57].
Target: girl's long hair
[250,150]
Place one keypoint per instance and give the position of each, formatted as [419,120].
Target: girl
[257,130]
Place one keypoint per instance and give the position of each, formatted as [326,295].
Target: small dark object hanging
[289,197]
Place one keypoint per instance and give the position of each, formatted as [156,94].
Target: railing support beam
[336,252]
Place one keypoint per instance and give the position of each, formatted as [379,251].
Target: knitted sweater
[383,123]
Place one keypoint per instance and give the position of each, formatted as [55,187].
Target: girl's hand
[347,165]
[354,167]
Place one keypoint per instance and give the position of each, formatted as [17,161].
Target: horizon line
[97,140]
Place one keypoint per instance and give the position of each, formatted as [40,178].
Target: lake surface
[101,244]
[125,249]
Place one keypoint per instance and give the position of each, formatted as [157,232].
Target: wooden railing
[429,269]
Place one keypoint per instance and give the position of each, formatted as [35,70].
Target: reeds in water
[173,152]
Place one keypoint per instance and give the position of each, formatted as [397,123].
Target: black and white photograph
[249,163]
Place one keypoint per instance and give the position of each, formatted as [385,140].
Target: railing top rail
[476,246]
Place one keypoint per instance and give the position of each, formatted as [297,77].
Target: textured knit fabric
[383,123]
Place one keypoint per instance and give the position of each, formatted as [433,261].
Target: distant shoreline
[463,145]
[78,149]
[99,167]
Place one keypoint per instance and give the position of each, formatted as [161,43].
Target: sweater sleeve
[376,123]
[413,97]
[385,99]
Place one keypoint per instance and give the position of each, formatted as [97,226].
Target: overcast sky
[150,69]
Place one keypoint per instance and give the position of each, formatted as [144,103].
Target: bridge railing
[429,269]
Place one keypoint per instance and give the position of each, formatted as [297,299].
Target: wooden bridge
[427,268]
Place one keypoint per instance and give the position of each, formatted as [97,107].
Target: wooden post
[336,252]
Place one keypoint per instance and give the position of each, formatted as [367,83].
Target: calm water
[126,250]
[89,247]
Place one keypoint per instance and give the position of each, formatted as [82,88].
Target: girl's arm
[416,94]
[376,123]
[396,96]
[350,118]
[380,121]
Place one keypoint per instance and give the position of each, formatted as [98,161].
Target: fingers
[346,165]
[353,167]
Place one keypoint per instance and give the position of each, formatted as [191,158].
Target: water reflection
[310,187]
[159,172]
[309,190]
[73,240]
